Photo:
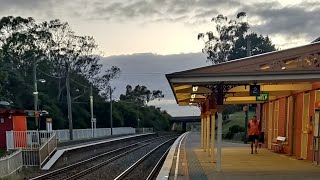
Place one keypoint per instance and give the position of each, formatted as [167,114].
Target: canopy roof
[280,73]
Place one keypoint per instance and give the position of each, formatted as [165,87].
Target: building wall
[6,126]
[290,122]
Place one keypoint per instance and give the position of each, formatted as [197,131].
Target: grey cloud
[153,10]
[149,70]
[295,21]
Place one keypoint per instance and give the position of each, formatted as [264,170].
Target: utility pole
[93,121]
[69,101]
[35,93]
[91,110]
[111,123]
[247,110]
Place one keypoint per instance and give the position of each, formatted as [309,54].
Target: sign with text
[264,96]
[254,90]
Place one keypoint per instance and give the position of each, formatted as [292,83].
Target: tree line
[52,49]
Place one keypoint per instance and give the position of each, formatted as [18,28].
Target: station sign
[254,90]
[31,113]
[264,96]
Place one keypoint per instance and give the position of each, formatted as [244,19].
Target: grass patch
[2,152]
[237,118]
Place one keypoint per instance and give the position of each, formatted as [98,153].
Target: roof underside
[280,73]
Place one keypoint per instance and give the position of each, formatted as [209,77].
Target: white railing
[26,139]
[10,164]
[47,149]
[144,130]
[78,134]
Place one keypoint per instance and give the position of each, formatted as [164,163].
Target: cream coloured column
[213,131]
[208,132]
[202,146]
[219,139]
[204,132]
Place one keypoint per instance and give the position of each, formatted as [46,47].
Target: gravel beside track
[143,169]
[73,169]
[113,169]
[89,152]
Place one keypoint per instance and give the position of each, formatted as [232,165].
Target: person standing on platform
[253,133]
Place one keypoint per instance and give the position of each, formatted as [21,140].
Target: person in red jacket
[253,133]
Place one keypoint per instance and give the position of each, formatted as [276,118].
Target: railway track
[149,164]
[82,168]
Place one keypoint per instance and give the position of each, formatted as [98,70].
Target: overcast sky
[156,29]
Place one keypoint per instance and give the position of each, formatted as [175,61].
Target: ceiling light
[193,96]
[283,68]
[191,99]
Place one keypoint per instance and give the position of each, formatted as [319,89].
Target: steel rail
[72,166]
[128,170]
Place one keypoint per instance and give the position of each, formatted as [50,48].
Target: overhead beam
[179,87]
[271,93]
[188,96]
[201,89]
[244,102]
[280,87]
[247,98]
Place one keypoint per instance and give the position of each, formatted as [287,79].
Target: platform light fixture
[283,68]
[195,88]
[193,96]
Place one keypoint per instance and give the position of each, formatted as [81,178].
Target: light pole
[35,92]
[93,120]
[69,101]
[111,120]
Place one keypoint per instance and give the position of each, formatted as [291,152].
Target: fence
[35,146]
[47,149]
[10,164]
[78,134]
[144,130]
[26,139]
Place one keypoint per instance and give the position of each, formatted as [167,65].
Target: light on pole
[35,92]
[111,120]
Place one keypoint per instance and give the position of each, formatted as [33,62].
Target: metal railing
[47,149]
[10,164]
[78,134]
[144,130]
[26,139]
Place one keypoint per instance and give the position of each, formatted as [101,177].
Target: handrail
[53,135]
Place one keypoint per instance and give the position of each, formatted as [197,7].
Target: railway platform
[189,161]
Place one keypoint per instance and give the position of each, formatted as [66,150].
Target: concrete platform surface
[239,164]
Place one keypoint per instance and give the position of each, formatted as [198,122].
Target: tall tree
[229,41]
[140,94]
[52,45]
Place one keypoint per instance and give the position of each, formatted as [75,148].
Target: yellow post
[201,131]
[208,132]
[213,126]
[204,132]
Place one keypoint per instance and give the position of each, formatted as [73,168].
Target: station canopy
[277,74]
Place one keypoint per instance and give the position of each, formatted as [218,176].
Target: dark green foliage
[233,130]
[140,95]
[54,47]
[229,41]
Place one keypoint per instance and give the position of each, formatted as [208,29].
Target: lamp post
[111,120]
[35,91]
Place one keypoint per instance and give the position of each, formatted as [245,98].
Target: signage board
[254,90]
[264,96]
